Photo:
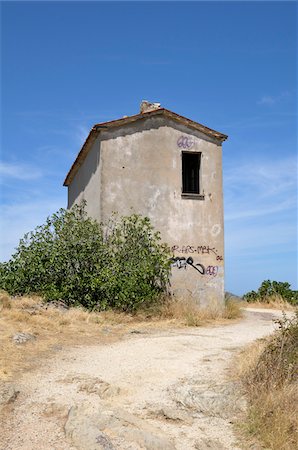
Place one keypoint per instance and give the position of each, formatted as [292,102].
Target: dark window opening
[191,173]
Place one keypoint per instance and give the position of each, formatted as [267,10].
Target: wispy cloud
[270,100]
[260,188]
[19,171]
[261,211]
[21,216]
[275,176]
[81,133]
[260,220]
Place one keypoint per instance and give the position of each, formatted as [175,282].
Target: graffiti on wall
[199,249]
[182,263]
[212,271]
[185,142]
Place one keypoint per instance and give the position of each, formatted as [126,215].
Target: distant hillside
[230,296]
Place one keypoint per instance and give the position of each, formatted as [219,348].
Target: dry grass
[232,309]
[275,301]
[269,371]
[247,359]
[53,328]
[56,327]
[190,314]
[273,418]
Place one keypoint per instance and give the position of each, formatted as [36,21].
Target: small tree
[70,258]
[269,288]
[139,263]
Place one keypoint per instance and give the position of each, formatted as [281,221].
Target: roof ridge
[130,119]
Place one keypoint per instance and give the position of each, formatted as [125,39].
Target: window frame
[192,195]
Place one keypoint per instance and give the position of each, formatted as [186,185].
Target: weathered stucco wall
[139,169]
[87,181]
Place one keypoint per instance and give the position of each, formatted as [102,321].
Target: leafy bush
[269,289]
[73,258]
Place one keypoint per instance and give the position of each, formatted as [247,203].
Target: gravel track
[152,390]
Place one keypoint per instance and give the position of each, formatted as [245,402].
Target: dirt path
[154,390]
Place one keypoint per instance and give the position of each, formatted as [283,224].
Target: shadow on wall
[85,172]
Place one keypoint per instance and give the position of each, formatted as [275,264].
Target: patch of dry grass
[274,301]
[53,327]
[232,309]
[269,372]
[247,359]
[273,418]
[191,314]
[56,327]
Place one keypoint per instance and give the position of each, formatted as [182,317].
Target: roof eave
[131,119]
[81,156]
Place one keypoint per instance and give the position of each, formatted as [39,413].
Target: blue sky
[228,65]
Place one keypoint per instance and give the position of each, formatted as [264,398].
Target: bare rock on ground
[86,422]
[22,338]
[92,385]
[224,401]
[57,410]
[8,394]
[97,386]
[173,414]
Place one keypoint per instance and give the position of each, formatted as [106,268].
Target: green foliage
[269,289]
[74,259]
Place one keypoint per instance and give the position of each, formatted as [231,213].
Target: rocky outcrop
[224,400]
[94,428]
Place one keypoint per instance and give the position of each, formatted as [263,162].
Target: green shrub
[74,259]
[269,289]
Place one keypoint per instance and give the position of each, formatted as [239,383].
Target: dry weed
[232,309]
[247,359]
[273,418]
[56,326]
[274,301]
[4,301]
[269,371]
[191,314]
[52,326]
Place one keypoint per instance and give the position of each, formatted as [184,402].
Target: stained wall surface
[138,169]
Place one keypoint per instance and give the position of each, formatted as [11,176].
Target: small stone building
[169,168]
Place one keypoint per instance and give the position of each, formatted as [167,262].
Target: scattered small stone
[57,305]
[22,338]
[209,444]
[31,311]
[106,330]
[8,394]
[56,410]
[136,332]
[175,415]
[104,441]
[57,348]
[92,385]
[97,386]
